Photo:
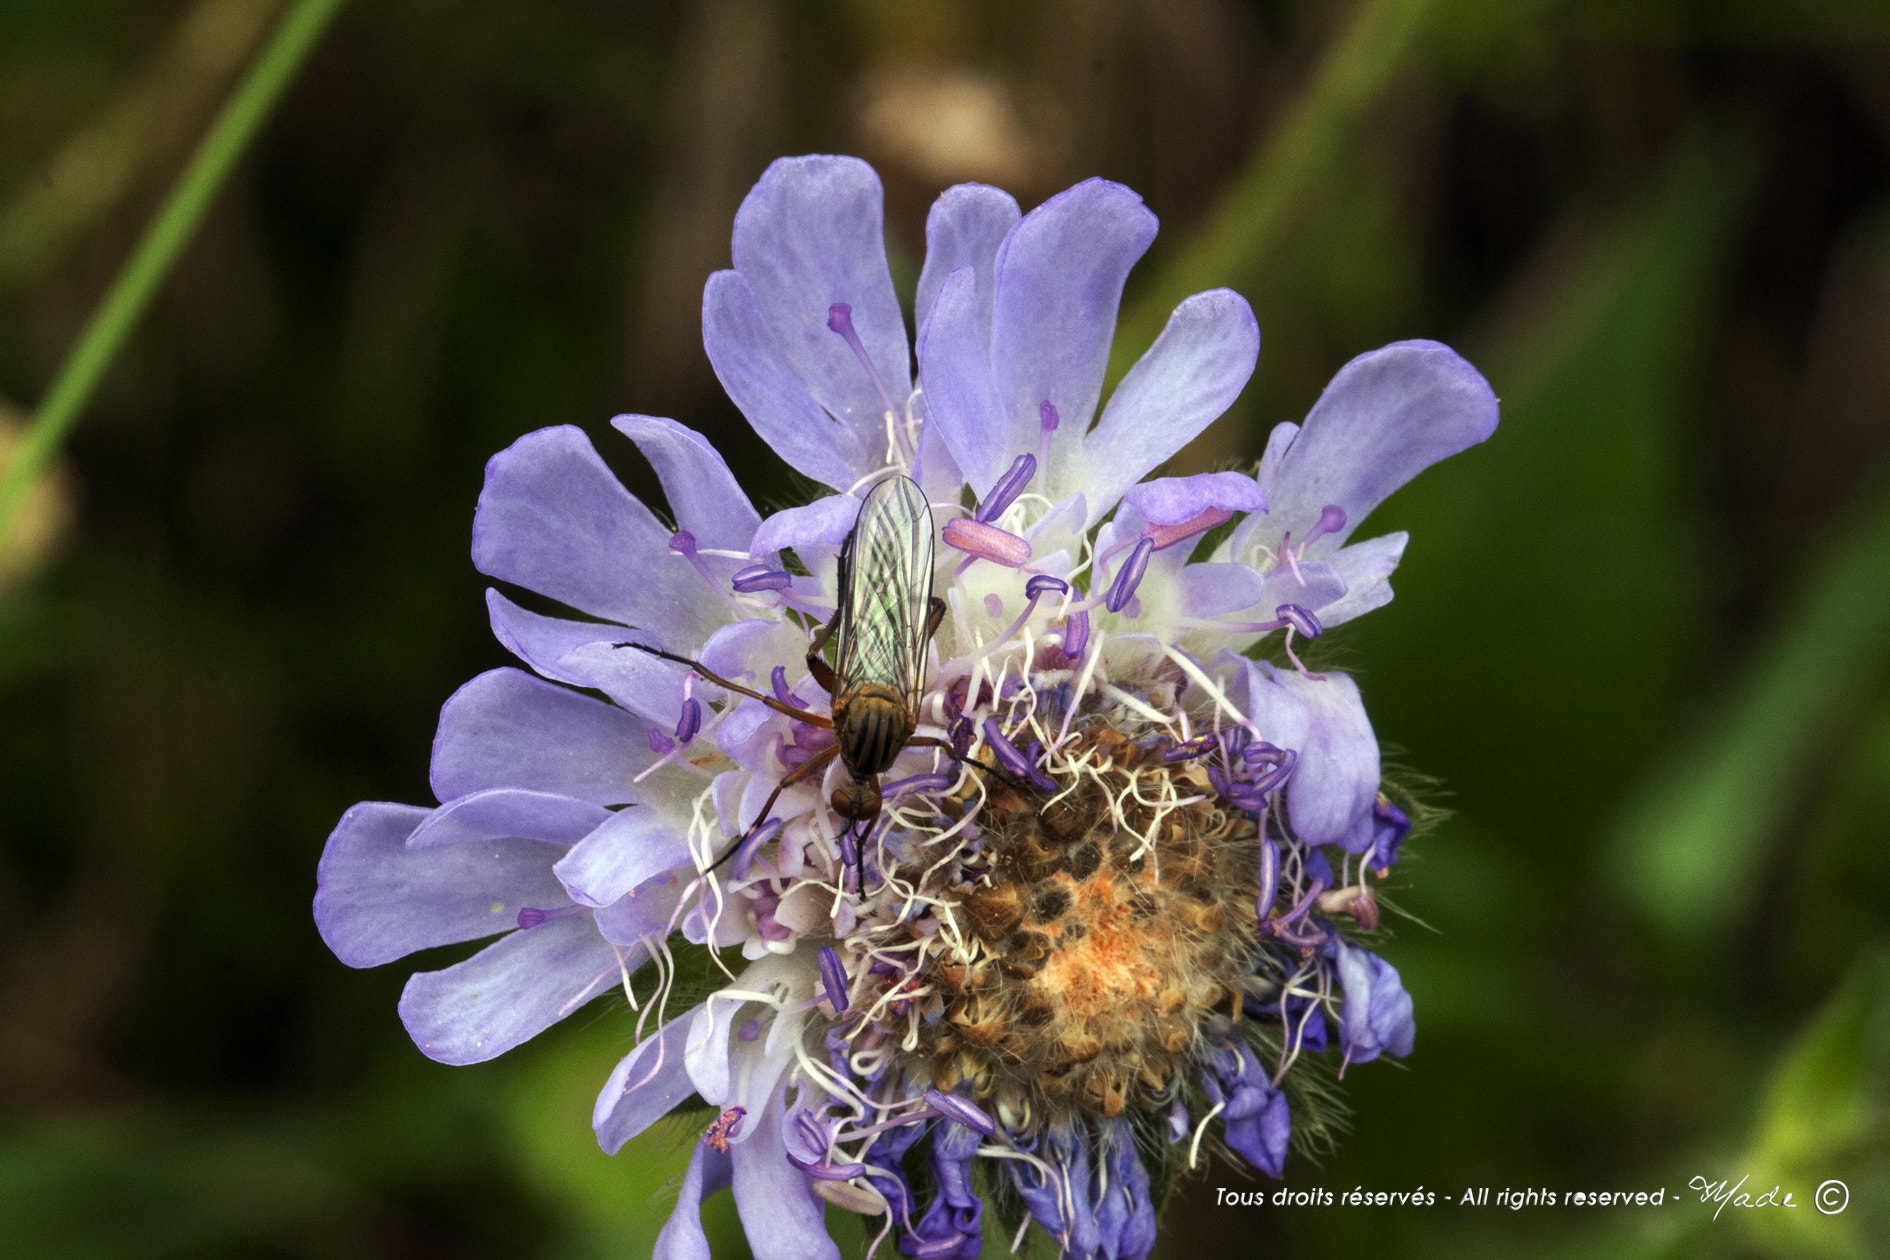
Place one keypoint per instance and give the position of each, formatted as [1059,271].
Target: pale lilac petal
[640,913]
[703,495]
[753,648]
[760,380]
[1279,715]
[1053,314]
[1366,569]
[508,729]
[1188,378]
[647,685]
[1386,417]
[1173,500]
[961,395]
[553,519]
[966,226]
[1376,1016]
[706,1049]
[377,900]
[646,1083]
[824,522]
[1333,787]
[808,235]
[509,992]
[781,1216]
[629,847]
[1310,584]
[710,1172]
[509,812]
[1214,590]
[542,641]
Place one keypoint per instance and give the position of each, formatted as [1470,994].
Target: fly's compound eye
[856,801]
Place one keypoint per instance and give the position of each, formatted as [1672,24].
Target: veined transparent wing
[886,591]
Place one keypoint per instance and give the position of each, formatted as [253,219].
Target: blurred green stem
[1256,206]
[229,136]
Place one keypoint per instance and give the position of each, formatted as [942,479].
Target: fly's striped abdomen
[871,728]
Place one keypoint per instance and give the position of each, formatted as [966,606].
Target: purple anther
[661,744]
[532,916]
[1300,619]
[690,722]
[1033,755]
[1235,739]
[744,858]
[1166,536]
[1007,753]
[849,849]
[1122,590]
[1331,521]
[1269,879]
[805,1137]
[759,577]
[833,978]
[917,783]
[1009,486]
[1390,825]
[1076,635]
[781,692]
[994,604]
[1047,416]
[1277,775]
[1264,754]
[962,1110]
[1304,904]
[840,320]
[750,1030]
[986,542]
[683,543]
[1199,746]
[962,733]
[1043,583]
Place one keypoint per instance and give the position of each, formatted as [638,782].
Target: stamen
[690,722]
[1012,760]
[744,858]
[532,916]
[840,320]
[1047,421]
[1166,536]
[1122,590]
[994,604]
[833,978]
[1009,486]
[724,1127]
[986,542]
[781,692]
[1076,635]
[962,1110]
[1199,746]
[1300,619]
[750,1030]
[1269,879]
[661,744]
[962,733]
[1043,582]
[759,577]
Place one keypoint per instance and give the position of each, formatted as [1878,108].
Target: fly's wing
[886,592]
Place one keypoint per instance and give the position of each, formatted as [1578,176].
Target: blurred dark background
[1642,637]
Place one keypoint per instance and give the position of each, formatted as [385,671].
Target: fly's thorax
[1107,938]
[871,724]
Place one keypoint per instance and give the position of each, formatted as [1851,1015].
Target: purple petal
[508,992]
[508,812]
[1172,500]
[965,227]
[1214,590]
[763,383]
[1386,417]
[1376,1016]
[710,1172]
[646,1083]
[553,519]
[1058,282]
[648,686]
[640,913]
[631,846]
[1332,790]
[1261,1137]
[824,522]
[703,495]
[1365,568]
[1309,584]
[376,899]
[808,235]
[1191,375]
[508,729]
[961,395]
[781,1216]
[542,642]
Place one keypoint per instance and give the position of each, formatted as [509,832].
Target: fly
[885,617]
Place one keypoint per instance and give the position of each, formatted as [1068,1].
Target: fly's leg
[823,672]
[799,715]
[806,769]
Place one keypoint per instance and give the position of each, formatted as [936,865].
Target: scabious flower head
[1119,881]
